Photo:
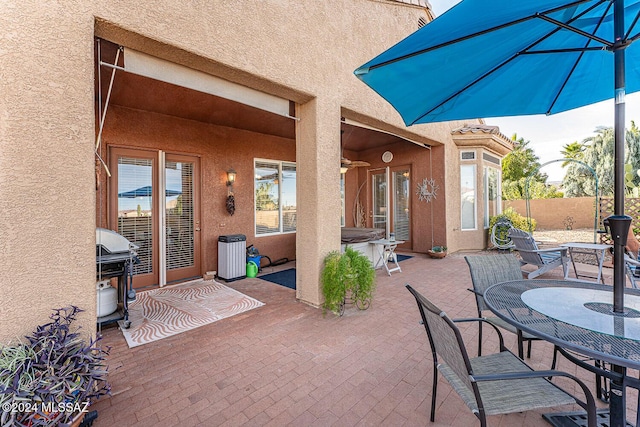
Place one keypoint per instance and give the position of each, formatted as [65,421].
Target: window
[468,197]
[492,198]
[275,197]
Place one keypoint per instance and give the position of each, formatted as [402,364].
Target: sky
[548,134]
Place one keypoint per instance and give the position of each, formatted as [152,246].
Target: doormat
[285,278]
[168,311]
[403,257]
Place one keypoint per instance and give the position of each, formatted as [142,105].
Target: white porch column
[318,194]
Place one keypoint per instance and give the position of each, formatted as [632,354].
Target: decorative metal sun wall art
[427,190]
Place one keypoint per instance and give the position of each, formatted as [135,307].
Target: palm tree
[573,151]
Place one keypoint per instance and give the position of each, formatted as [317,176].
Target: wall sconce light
[231,177]
[231,200]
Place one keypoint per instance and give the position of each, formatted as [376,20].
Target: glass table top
[587,308]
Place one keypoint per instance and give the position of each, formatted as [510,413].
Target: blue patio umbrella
[146,191]
[494,58]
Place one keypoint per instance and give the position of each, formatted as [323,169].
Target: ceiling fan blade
[359,164]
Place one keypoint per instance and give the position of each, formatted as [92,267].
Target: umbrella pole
[619,221]
[619,186]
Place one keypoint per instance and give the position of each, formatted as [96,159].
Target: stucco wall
[556,214]
[47,186]
[304,51]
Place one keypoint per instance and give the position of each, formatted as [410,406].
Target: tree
[521,162]
[521,165]
[265,199]
[598,153]
[574,151]
[515,190]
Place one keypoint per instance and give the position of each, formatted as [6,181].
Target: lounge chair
[545,259]
[500,383]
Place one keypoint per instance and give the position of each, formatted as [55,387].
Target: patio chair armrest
[483,320]
[589,405]
[537,251]
[631,261]
[610,374]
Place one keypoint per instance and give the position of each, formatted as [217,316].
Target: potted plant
[350,273]
[51,378]
[438,252]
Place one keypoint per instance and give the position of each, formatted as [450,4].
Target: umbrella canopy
[495,58]
[146,192]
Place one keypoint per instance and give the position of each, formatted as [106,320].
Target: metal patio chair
[544,259]
[499,383]
[631,262]
[487,270]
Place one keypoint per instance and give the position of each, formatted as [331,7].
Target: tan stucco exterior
[303,51]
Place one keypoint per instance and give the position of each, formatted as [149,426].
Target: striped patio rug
[161,313]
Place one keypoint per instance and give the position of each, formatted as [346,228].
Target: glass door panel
[379,200]
[179,214]
[182,223]
[401,204]
[135,211]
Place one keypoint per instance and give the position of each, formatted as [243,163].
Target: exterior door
[164,226]
[182,223]
[390,202]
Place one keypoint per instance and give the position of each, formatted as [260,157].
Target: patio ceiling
[146,94]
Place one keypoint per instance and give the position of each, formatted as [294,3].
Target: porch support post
[318,193]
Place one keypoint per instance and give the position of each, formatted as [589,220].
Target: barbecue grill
[115,256]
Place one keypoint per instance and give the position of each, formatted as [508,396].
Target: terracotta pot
[433,254]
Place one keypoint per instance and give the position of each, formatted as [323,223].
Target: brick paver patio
[288,364]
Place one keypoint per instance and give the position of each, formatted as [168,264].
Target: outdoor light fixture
[231,177]
[231,200]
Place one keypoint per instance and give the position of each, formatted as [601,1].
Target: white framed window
[492,193]
[274,197]
[467,155]
[468,208]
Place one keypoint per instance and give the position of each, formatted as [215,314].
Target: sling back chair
[544,259]
[487,270]
[500,383]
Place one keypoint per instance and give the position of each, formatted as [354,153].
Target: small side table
[386,250]
[596,250]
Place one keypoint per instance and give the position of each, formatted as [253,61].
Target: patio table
[386,249]
[596,250]
[577,316]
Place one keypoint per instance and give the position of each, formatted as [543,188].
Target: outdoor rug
[285,278]
[161,313]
